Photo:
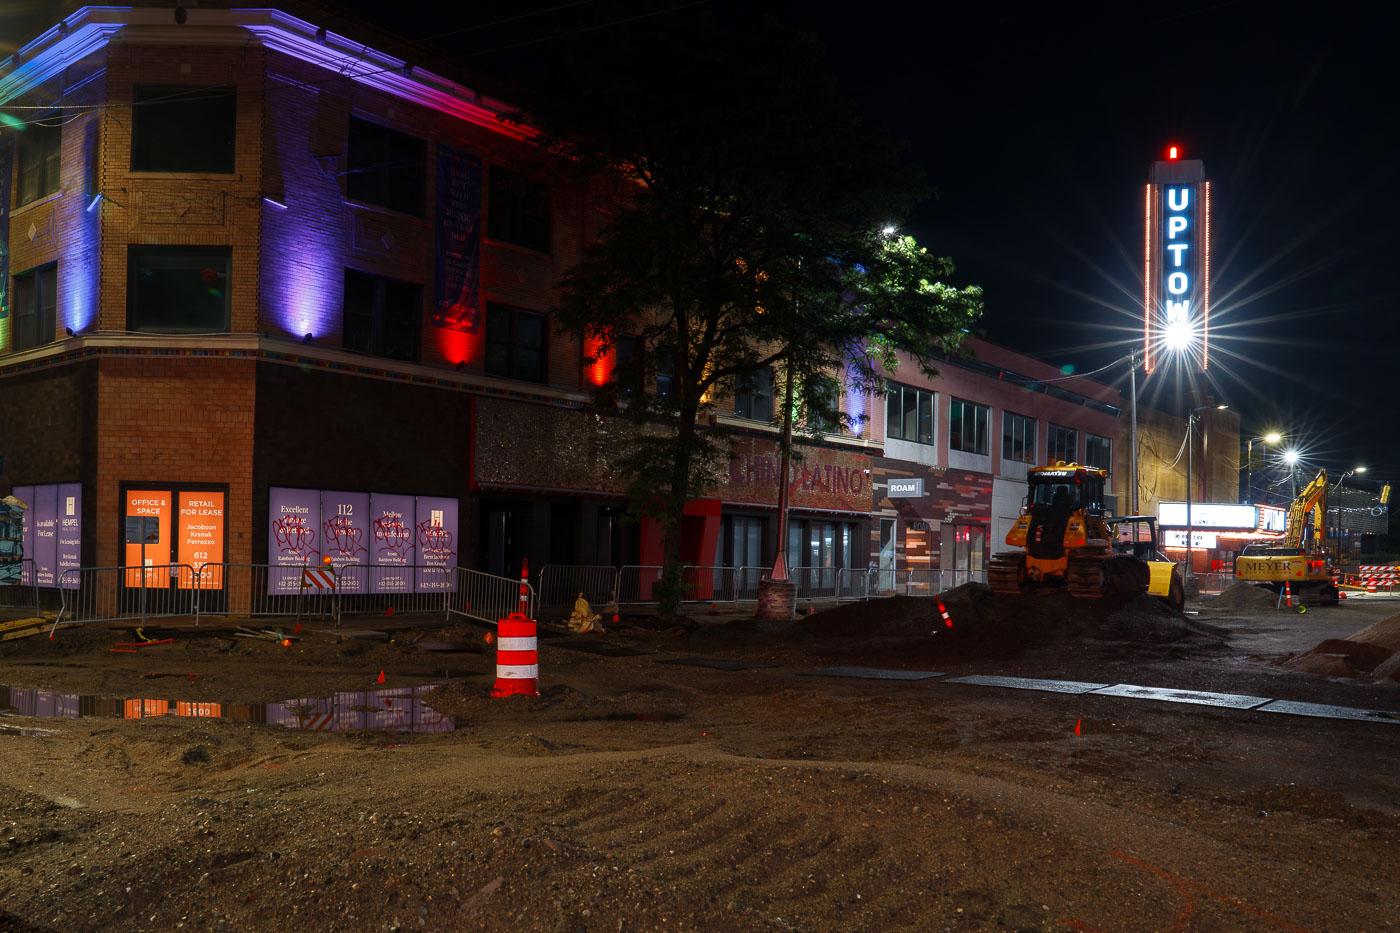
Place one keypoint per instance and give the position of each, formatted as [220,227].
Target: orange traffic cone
[1287,595]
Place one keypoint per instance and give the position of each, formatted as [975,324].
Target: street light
[1290,457]
[1273,437]
[1190,469]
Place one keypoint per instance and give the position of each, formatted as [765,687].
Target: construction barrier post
[517,657]
[524,609]
[1287,595]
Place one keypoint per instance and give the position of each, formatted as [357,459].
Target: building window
[39,151]
[967,426]
[1062,444]
[909,414]
[1098,452]
[627,366]
[821,403]
[382,316]
[665,371]
[514,343]
[1017,437]
[753,395]
[178,289]
[183,128]
[518,210]
[386,167]
[36,298]
[743,541]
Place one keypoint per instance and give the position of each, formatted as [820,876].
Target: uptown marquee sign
[1176,263]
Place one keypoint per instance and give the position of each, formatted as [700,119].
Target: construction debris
[583,619]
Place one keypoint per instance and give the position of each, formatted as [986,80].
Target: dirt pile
[1244,596]
[981,616]
[1371,654]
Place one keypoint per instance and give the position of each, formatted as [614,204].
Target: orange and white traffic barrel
[943,611]
[517,657]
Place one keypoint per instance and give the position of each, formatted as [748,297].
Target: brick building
[273,295]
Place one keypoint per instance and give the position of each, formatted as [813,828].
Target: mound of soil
[1243,596]
[980,615]
[1144,618]
[1373,653]
[1385,633]
[1337,657]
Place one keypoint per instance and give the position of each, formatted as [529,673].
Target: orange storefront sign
[148,536]
[200,537]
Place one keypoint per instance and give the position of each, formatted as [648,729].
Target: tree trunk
[670,588]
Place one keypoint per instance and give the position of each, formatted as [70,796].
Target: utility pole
[1133,454]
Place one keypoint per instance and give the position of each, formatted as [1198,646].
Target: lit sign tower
[1176,263]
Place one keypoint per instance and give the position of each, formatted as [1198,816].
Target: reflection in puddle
[393,710]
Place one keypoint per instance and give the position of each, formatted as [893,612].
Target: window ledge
[386,211]
[36,203]
[517,247]
[144,174]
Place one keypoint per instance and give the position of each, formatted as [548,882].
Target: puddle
[400,709]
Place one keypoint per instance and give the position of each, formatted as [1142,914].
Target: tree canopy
[751,226]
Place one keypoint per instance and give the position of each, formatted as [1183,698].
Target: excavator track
[1006,573]
[1085,577]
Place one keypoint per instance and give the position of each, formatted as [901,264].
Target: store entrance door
[962,551]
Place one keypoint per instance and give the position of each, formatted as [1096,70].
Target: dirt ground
[635,794]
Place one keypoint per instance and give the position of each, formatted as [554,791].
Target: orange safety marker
[1287,595]
[380,679]
[524,609]
[943,611]
[1076,726]
[517,656]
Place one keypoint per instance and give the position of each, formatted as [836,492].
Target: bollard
[524,609]
[943,611]
[517,657]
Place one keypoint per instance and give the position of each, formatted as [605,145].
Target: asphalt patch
[719,664]
[1197,697]
[872,673]
[1027,683]
[604,648]
[1323,711]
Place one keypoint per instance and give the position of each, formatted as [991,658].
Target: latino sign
[1176,264]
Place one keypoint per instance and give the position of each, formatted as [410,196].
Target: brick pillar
[776,599]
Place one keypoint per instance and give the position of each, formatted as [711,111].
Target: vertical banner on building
[199,538]
[294,519]
[436,534]
[44,508]
[345,537]
[25,494]
[70,532]
[455,300]
[392,544]
[147,536]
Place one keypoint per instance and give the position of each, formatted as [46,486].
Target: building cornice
[278,350]
[92,28]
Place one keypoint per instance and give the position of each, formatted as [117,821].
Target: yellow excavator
[1068,539]
[1299,559]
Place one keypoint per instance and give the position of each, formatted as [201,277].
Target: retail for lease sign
[200,538]
[436,533]
[70,532]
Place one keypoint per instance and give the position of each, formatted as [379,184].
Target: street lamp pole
[1190,472]
[1133,453]
[1272,437]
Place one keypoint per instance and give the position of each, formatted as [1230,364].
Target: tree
[752,231]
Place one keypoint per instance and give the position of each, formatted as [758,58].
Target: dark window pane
[40,148]
[382,315]
[386,167]
[925,435]
[893,421]
[518,210]
[515,343]
[35,306]
[627,365]
[911,415]
[178,289]
[182,128]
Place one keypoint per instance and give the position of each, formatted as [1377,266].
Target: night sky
[1038,129]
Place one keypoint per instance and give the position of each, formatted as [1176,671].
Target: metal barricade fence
[637,584]
[1215,583]
[561,584]
[104,594]
[264,590]
[486,597]
[14,592]
[746,580]
[361,588]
